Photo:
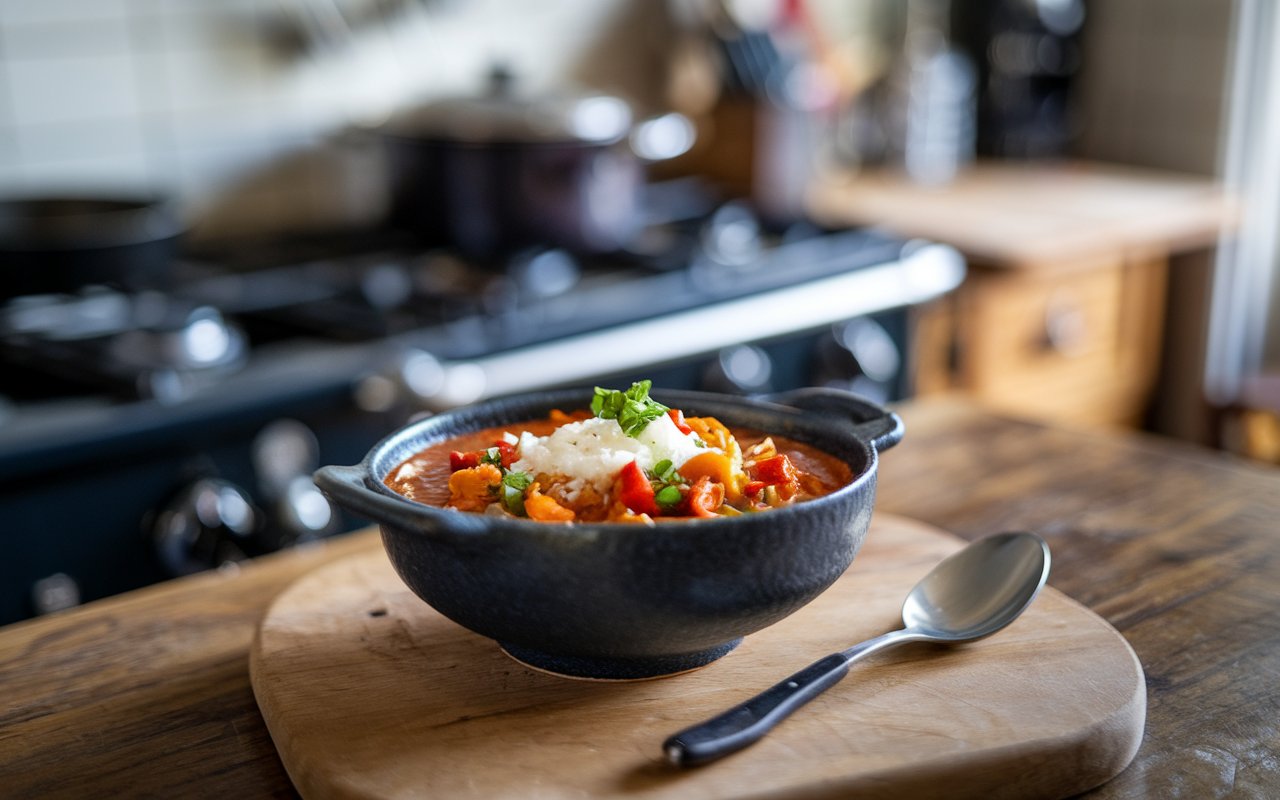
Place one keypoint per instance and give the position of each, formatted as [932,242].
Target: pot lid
[85,221]
[502,116]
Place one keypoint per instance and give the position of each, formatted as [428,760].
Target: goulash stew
[628,459]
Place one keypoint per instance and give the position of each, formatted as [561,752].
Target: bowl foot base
[616,669]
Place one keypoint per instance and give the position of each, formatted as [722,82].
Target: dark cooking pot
[494,173]
[60,244]
[616,600]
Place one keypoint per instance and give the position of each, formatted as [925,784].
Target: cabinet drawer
[1023,328]
[1049,345]
[1071,345]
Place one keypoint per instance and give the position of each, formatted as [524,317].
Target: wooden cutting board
[368,692]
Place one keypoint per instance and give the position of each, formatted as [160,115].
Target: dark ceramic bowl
[616,600]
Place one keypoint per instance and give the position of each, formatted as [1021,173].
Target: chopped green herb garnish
[517,480]
[492,456]
[513,486]
[513,499]
[633,409]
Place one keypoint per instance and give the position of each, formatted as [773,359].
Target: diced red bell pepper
[506,452]
[753,488]
[506,457]
[635,491]
[677,416]
[774,471]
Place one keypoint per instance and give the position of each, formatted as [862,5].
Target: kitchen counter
[1062,312]
[1055,215]
[149,694]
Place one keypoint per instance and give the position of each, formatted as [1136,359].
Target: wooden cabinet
[1062,313]
[1080,345]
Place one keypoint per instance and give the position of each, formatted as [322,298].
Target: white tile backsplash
[129,172]
[112,138]
[109,36]
[196,96]
[77,89]
[208,27]
[11,179]
[10,163]
[1151,88]
[212,79]
[41,12]
[1190,79]
[252,127]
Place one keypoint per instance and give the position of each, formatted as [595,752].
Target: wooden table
[1179,548]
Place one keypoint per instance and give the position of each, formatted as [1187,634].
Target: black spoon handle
[747,723]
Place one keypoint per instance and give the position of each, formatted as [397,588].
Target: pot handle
[872,422]
[346,486]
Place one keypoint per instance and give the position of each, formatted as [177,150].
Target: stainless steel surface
[921,275]
[971,594]
[975,592]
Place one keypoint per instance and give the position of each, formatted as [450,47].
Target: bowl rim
[476,524]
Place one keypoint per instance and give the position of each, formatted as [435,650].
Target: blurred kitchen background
[240,238]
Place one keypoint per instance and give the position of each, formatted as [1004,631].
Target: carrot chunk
[705,496]
[719,468]
[472,489]
[541,507]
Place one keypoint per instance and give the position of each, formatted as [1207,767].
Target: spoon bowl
[967,596]
[979,590]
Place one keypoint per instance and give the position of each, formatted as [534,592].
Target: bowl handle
[346,485]
[871,422]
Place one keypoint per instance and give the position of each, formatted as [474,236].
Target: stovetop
[259,323]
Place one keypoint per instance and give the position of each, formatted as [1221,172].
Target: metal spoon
[969,595]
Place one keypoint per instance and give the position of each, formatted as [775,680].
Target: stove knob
[732,236]
[56,592]
[376,394]
[740,369]
[208,524]
[435,386]
[285,453]
[281,451]
[421,374]
[544,273]
[304,514]
[859,356]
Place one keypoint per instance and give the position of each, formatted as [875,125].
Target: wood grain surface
[1175,545]
[1061,314]
[1037,215]
[148,695]
[369,693]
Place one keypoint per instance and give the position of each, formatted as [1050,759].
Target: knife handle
[746,723]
